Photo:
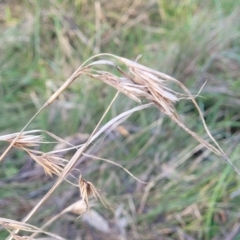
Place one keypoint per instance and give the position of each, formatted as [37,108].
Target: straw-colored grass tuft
[135,81]
[51,163]
[141,82]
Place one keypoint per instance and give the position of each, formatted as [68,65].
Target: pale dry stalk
[79,208]
[138,82]
[11,225]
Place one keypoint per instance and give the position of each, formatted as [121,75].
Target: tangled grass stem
[136,82]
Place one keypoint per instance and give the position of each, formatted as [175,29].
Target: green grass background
[195,195]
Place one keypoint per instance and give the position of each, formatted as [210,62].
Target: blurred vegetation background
[192,194]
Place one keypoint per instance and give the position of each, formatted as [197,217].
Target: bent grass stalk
[138,82]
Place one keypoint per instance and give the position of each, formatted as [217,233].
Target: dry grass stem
[11,225]
[135,81]
[114,163]
[68,167]
[112,123]
[16,237]
[78,208]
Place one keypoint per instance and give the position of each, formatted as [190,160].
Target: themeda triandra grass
[11,225]
[51,163]
[143,82]
[135,81]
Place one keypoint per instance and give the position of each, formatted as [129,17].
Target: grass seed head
[24,140]
[139,82]
[87,189]
[51,163]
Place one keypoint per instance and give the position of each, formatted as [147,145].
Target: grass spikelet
[137,82]
[26,139]
[51,163]
[87,189]
[143,82]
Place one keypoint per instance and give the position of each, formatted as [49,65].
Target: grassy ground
[192,194]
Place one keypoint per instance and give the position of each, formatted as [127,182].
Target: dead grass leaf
[94,219]
[79,208]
